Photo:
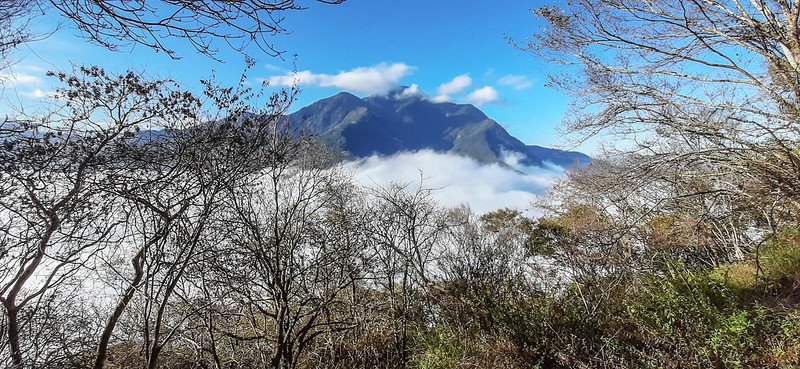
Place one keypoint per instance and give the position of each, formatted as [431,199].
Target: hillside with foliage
[143,225]
[232,240]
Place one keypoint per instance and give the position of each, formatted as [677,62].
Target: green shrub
[695,319]
[439,349]
[740,315]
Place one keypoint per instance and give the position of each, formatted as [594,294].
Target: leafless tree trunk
[406,233]
[702,95]
[63,219]
[295,251]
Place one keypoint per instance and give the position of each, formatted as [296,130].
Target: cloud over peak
[409,92]
[374,80]
[454,86]
[483,96]
[381,79]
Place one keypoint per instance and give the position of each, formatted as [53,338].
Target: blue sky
[450,50]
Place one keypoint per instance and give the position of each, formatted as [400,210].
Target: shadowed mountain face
[385,125]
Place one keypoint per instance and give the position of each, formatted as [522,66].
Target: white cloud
[483,96]
[377,79]
[461,180]
[455,86]
[37,94]
[512,158]
[440,99]
[25,84]
[300,78]
[409,92]
[32,68]
[515,81]
[20,79]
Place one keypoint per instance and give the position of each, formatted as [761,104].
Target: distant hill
[400,121]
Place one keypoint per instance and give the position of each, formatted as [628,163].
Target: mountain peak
[402,93]
[397,90]
[403,120]
[342,96]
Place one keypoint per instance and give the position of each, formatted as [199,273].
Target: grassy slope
[739,315]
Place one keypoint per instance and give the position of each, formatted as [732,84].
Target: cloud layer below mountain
[459,180]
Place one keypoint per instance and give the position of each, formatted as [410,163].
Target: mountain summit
[403,120]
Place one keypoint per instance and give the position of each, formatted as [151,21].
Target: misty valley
[347,184]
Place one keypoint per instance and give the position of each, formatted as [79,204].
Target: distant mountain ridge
[400,121]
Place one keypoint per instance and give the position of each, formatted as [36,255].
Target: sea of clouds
[459,180]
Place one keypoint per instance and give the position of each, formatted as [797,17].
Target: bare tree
[296,255]
[486,254]
[204,25]
[54,212]
[406,234]
[641,203]
[707,88]
[173,183]
[14,28]
[703,99]
[123,182]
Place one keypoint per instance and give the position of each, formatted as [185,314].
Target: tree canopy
[207,25]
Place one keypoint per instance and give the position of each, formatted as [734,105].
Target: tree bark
[105,338]
[13,334]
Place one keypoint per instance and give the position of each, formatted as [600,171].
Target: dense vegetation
[142,225]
